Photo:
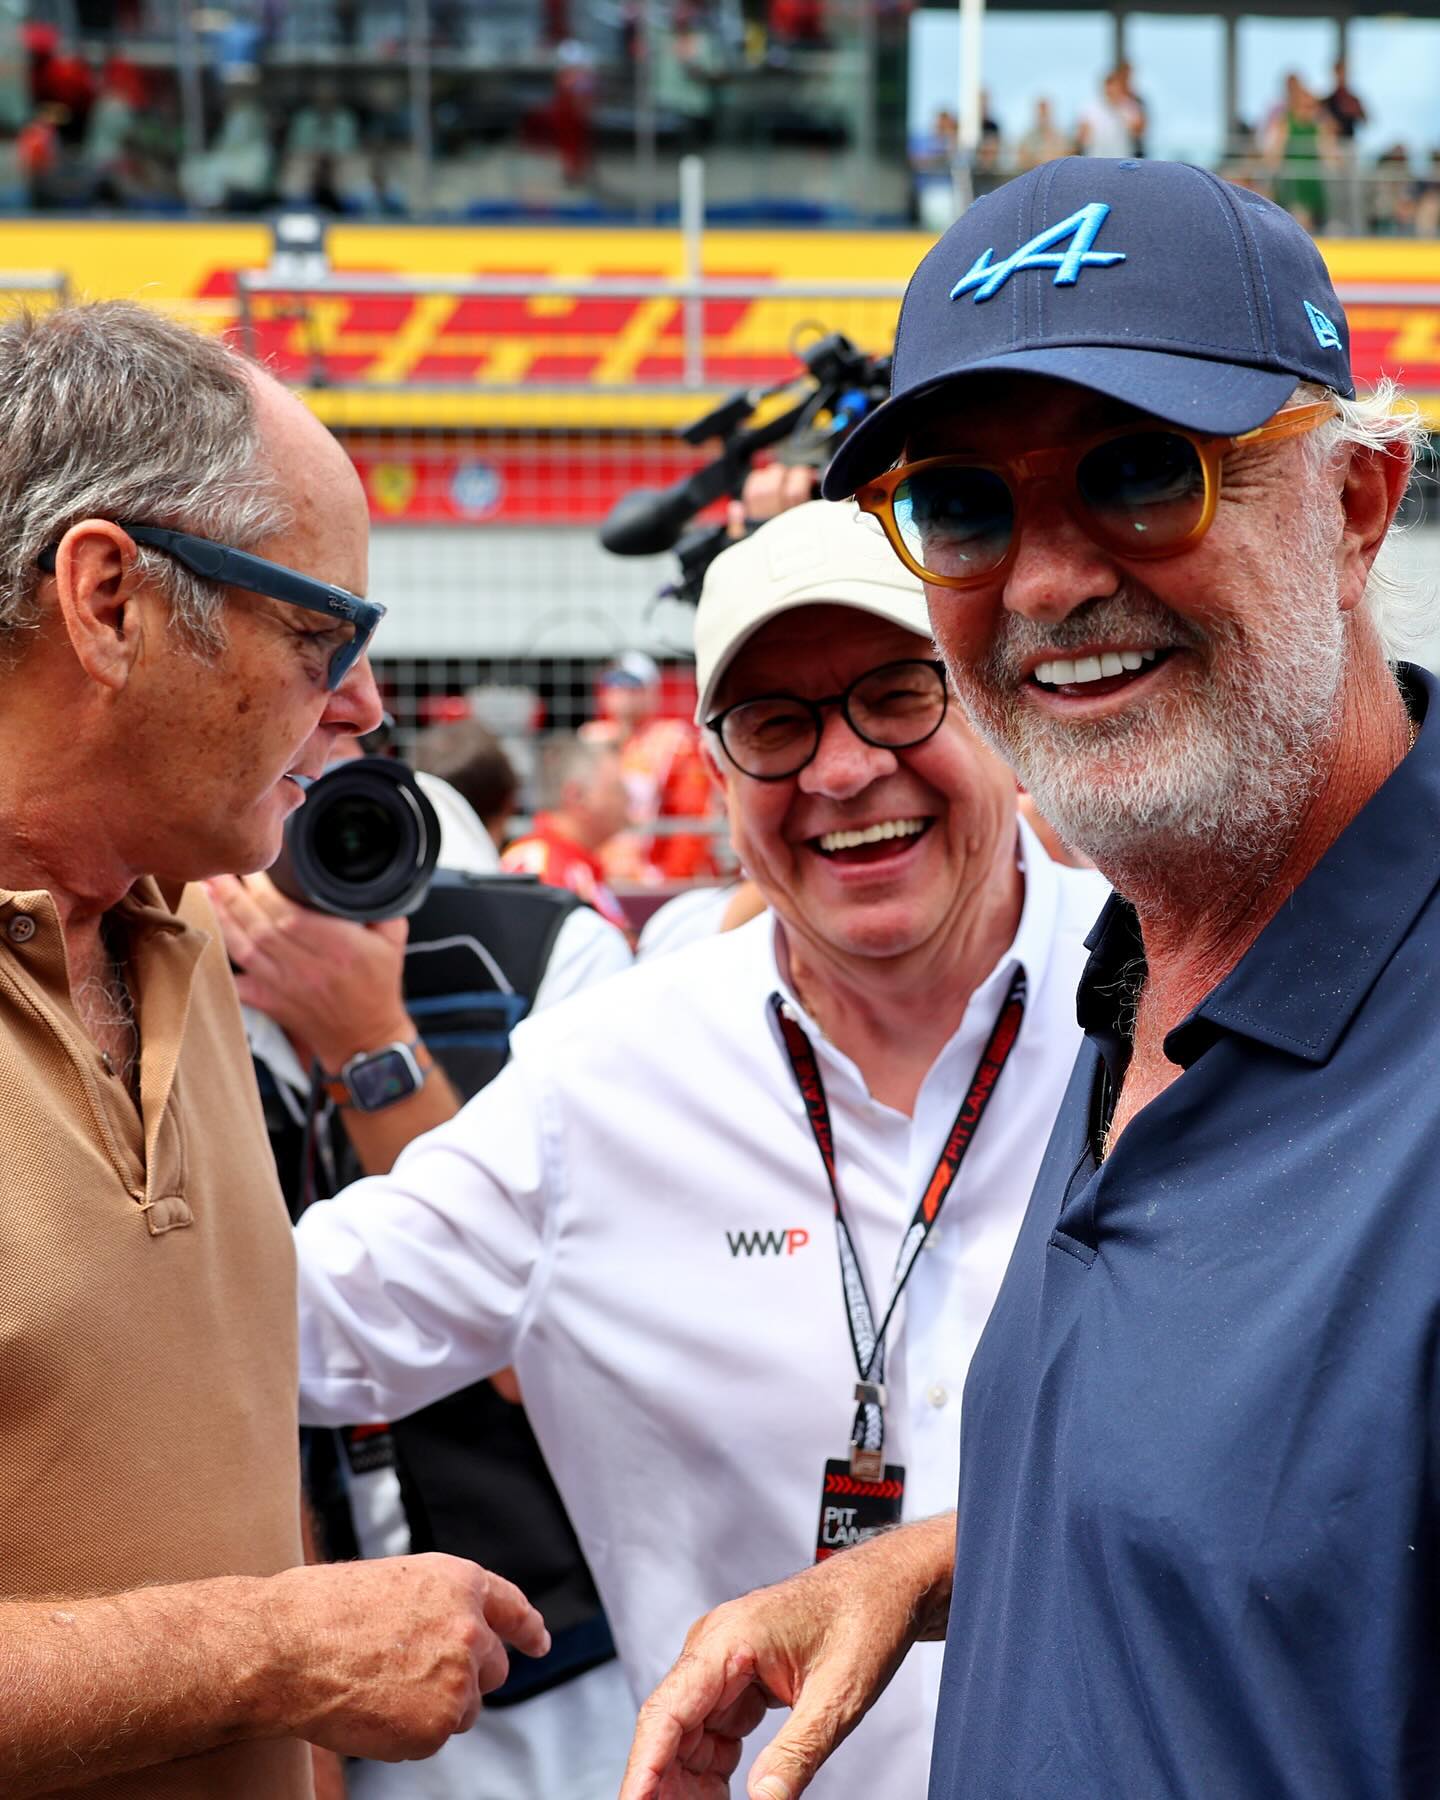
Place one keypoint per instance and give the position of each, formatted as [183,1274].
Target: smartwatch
[378,1078]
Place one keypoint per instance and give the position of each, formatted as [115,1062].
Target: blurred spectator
[797,22]
[59,79]
[932,168]
[688,64]
[584,791]
[1139,114]
[472,759]
[1300,147]
[940,148]
[1393,194]
[1427,199]
[1115,123]
[237,173]
[37,153]
[665,775]
[110,131]
[565,121]
[324,163]
[1043,142]
[933,156]
[986,172]
[573,108]
[1345,107]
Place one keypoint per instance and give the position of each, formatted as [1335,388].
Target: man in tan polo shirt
[161,702]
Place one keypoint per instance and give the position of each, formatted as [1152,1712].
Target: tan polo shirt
[147,1300]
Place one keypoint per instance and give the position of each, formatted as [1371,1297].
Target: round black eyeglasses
[895,707]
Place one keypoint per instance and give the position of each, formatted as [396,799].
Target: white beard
[1222,765]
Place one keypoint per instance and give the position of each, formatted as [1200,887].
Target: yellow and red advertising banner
[433,362]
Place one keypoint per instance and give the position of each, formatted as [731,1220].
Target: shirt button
[21,929]
[937,1394]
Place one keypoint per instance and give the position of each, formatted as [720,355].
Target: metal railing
[691,295]
[53,282]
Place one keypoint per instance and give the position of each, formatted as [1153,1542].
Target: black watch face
[380,1079]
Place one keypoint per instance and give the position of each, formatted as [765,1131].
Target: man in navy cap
[1196,1551]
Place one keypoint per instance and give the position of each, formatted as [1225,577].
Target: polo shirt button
[938,1395]
[21,929]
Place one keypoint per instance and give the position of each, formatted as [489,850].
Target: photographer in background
[322,991]
[470,757]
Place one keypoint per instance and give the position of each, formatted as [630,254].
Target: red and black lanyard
[867,1438]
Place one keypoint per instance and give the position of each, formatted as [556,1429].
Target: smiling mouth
[869,843]
[1092,677]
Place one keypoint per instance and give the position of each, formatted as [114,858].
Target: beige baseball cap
[825,553]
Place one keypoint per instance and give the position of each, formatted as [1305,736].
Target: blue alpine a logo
[986,279]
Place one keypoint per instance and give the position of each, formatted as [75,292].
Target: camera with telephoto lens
[838,386]
[363,846]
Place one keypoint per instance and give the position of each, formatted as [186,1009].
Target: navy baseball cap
[1153,283]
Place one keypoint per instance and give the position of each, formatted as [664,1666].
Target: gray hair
[567,757]
[1402,614]
[116,412]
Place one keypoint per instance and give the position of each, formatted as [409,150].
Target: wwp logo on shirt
[767,1243]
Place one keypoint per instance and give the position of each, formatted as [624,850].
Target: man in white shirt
[638,1214]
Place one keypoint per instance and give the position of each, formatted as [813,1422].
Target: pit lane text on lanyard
[861,1496]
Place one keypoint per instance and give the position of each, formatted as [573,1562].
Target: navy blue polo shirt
[1196,1553]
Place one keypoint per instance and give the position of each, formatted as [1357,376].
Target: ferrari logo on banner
[392,486]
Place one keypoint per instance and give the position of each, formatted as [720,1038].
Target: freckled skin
[208,743]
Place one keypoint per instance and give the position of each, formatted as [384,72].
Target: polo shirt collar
[1304,978]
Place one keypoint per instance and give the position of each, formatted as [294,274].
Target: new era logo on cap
[1326,336]
[1152,283]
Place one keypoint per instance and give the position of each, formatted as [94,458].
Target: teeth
[1061,672]
[872,834]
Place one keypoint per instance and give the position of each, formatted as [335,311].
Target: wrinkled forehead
[816,650]
[1010,413]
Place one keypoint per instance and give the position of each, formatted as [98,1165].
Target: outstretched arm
[824,1643]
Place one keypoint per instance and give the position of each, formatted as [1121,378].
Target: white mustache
[1127,615]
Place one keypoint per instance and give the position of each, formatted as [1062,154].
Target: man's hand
[768,491]
[824,1643]
[388,1659]
[332,985]
[385,1659]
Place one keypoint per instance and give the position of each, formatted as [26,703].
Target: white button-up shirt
[635,1216]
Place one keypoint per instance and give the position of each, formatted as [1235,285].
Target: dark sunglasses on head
[1139,491]
[895,707]
[238,568]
